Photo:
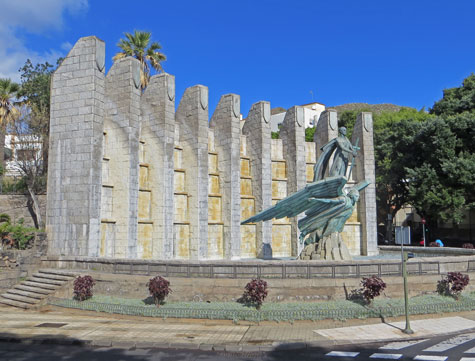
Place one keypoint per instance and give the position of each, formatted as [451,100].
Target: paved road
[442,348]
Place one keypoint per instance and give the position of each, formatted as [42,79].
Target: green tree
[9,112]
[35,92]
[137,45]
[457,100]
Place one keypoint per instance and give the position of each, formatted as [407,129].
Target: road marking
[451,343]
[467,359]
[399,345]
[430,358]
[342,354]
[390,356]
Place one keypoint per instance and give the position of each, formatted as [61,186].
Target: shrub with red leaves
[467,246]
[159,289]
[453,284]
[372,287]
[83,287]
[255,292]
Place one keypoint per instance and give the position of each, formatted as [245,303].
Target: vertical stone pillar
[326,129]
[258,133]
[75,151]
[365,169]
[122,89]
[292,134]
[192,117]
[158,132]
[227,134]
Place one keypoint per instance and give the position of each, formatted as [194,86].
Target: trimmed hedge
[340,310]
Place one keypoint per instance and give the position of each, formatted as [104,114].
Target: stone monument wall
[133,176]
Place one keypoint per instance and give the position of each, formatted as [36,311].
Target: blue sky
[401,52]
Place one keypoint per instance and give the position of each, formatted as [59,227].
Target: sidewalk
[64,326]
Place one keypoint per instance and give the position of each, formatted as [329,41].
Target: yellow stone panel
[107,240]
[245,167]
[211,145]
[247,208]
[144,244]
[277,150]
[212,163]
[309,173]
[141,152]
[179,182]
[182,239]
[143,177]
[351,235]
[178,158]
[310,152]
[279,189]
[279,170]
[214,209]
[248,241]
[181,207]
[243,145]
[246,187]
[281,240]
[145,199]
[105,172]
[213,184]
[215,241]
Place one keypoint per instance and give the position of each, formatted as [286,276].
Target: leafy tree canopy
[457,100]
[443,171]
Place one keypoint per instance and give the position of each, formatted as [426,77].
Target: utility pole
[404,257]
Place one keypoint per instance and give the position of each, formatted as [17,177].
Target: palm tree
[8,112]
[136,45]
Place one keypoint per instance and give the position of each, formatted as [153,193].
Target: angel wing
[302,200]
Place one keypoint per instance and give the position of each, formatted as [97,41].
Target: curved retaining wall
[288,280]
[428,251]
[281,269]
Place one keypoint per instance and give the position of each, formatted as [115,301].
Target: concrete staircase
[36,288]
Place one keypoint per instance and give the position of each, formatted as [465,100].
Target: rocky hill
[375,108]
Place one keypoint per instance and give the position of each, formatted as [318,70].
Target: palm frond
[137,45]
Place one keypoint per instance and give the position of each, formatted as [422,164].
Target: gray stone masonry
[258,132]
[114,187]
[192,117]
[75,151]
[292,134]
[227,130]
[122,104]
[365,170]
[158,131]
[326,129]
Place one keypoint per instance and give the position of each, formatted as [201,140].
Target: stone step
[32,289]
[58,272]
[15,291]
[45,281]
[20,298]
[52,277]
[40,285]
[13,303]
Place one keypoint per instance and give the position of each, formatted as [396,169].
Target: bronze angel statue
[325,202]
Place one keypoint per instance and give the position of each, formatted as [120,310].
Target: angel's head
[354,195]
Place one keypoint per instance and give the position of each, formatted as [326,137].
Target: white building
[311,113]
[21,151]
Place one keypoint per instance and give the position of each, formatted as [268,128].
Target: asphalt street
[459,347]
